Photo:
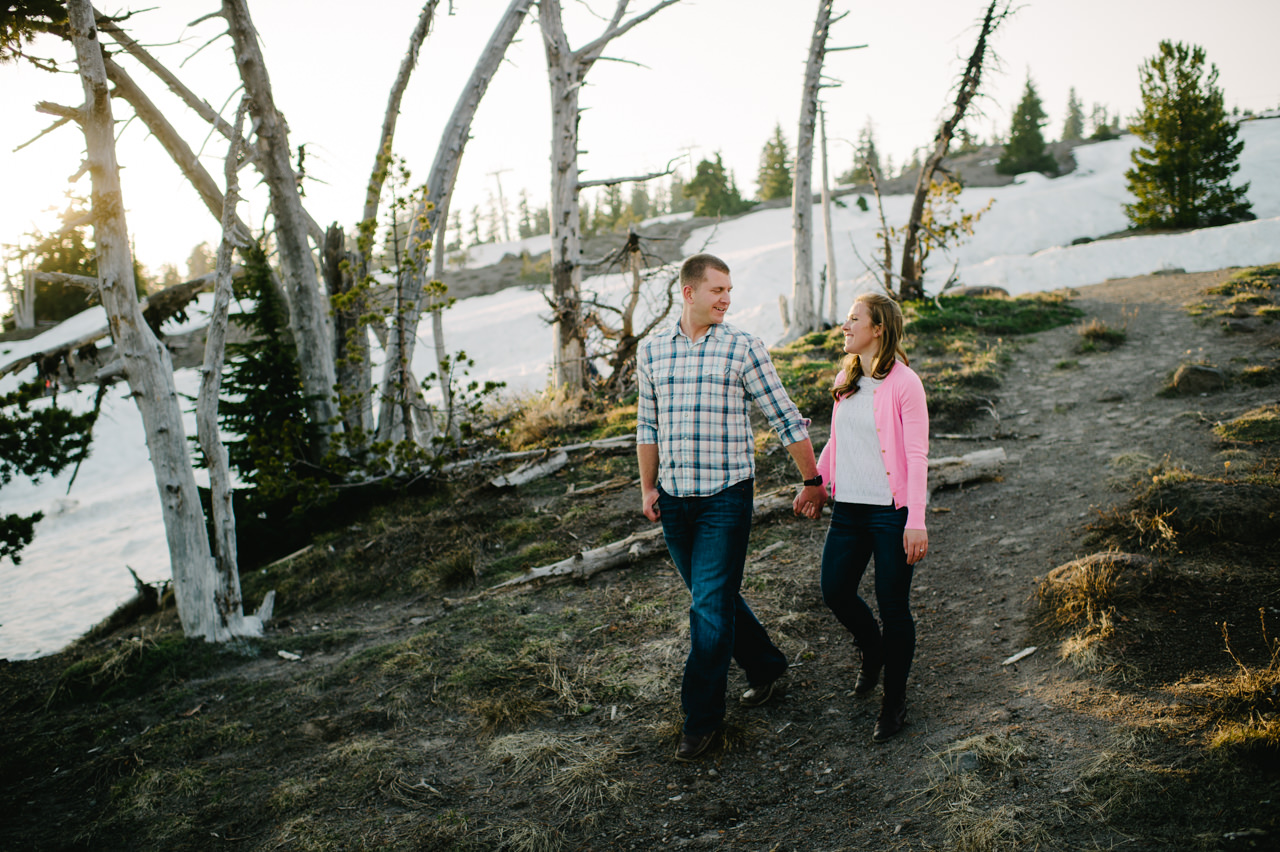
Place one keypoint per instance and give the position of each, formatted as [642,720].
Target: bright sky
[718,75]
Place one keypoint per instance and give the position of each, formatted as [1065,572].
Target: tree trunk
[342,269]
[146,361]
[911,286]
[568,356]
[834,311]
[429,219]
[308,308]
[226,594]
[803,315]
[566,70]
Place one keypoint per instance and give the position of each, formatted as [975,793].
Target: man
[697,475]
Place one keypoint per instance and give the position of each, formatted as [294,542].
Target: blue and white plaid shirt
[694,405]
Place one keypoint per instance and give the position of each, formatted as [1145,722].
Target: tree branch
[590,51]
[587,184]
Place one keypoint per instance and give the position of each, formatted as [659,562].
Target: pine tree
[681,201]
[715,190]
[271,443]
[525,227]
[1181,175]
[641,205]
[1073,127]
[35,439]
[865,158]
[1025,151]
[774,177]
[1104,127]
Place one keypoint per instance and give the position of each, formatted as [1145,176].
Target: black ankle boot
[893,715]
[870,674]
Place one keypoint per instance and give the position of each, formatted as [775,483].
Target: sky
[712,76]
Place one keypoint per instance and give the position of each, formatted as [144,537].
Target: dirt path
[547,720]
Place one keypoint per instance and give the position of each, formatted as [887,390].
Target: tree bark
[342,271]
[428,220]
[803,315]
[911,284]
[827,228]
[566,70]
[308,308]
[226,595]
[146,361]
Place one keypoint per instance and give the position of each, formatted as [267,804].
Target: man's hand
[809,501]
[649,504]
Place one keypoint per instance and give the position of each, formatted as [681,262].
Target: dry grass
[961,795]
[543,416]
[1247,706]
[1081,599]
[575,770]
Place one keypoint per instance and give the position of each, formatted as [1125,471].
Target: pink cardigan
[902,424]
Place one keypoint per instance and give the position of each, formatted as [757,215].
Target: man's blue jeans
[707,539]
[857,532]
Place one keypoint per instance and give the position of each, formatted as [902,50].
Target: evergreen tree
[271,443]
[35,440]
[200,261]
[525,227]
[1181,175]
[1025,151]
[865,158]
[65,251]
[541,221]
[1073,127]
[774,177]
[641,206]
[1104,127]
[681,201]
[22,20]
[715,191]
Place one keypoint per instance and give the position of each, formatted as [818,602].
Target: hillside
[420,714]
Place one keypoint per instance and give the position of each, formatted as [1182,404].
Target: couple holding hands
[696,454]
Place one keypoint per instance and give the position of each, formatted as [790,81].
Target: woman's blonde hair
[885,313]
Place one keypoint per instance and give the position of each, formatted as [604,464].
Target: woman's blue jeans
[707,539]
[859,531]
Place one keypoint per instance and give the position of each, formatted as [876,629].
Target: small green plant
[1068,364]
[1096,334]
[1248,705]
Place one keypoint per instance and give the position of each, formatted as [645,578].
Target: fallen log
[530,470]
[971,467]
[633,548]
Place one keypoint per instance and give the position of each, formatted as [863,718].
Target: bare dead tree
[308,307]
[226,592]
[804,317]
[567,69]
[397,389]
[912,272]
[624,339]
[146,361]
[832,278]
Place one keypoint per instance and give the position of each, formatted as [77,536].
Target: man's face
[707,303]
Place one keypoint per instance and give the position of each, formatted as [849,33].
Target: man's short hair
[694,270]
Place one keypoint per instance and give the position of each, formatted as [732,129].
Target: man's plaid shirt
[694,405]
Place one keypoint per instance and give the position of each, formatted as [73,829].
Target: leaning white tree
[146,361]
[567,69]
[804,317]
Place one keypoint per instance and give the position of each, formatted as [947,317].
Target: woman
[876,463]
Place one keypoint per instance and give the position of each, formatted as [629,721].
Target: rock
[1111,395]
[1193,379]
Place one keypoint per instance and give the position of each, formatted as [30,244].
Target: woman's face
[861,337]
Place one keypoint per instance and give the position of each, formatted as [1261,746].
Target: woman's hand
[916,544]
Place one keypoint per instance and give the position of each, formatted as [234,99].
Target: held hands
[809,501]
[916,544]
[649,505]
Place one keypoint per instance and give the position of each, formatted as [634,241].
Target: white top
[860,472]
